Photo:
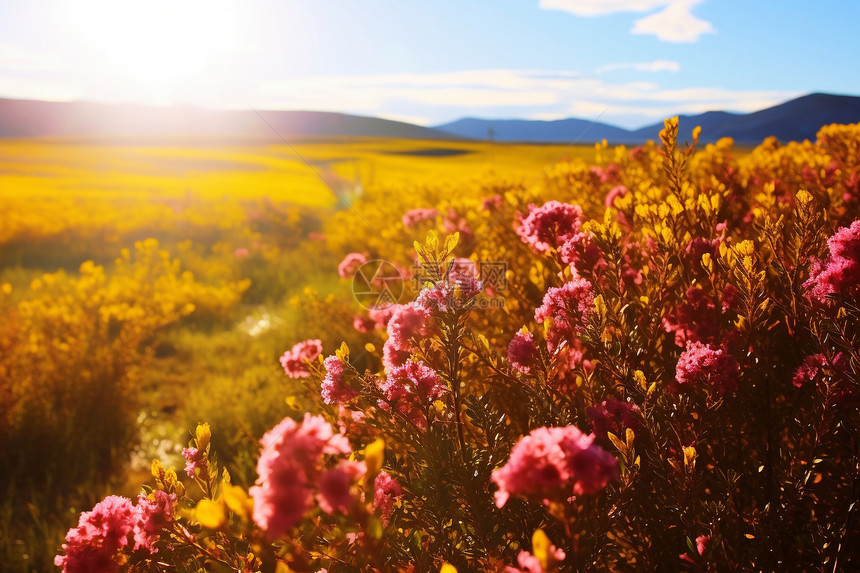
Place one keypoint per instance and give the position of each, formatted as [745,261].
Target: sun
[159,48]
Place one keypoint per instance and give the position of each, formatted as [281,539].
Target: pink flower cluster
[409,387]
[115,524]
[522,351]
[412,217]
[451,294]
[613,416]
[406,322]
[377,318]
[528,563]
[582,254]
[334,389]
[455,223]
[697,247]
[708,366]
[295,360]
[350,263]
[193,458]
[386,492]
[553,461]
[695,319]
[551,225]
[290,468]
[702,542]
[336,486]
[817,364]
[492,203]
[569,307]
[839,273]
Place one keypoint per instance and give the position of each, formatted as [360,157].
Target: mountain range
[793,120]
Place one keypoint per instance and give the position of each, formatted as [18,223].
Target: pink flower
[839,272]
[288,468]
[241,253]
[350,263]
[295,361]
[154,516]
[192,460]
[810,368]
[381,315]
[583,254]
[414,216]
[362,325]
[334,389]
[613,416]
[694,250]
[554,461]
[413,378]
[492,203]
[351,422]
[702,542]
[407,322]
[522,351]
[549,226]
[336,486]
[453,293]
[569,306]
[614,193]
[816,365]
[528,563]
[591,467]
[101,533]
[409,387]
[454,223]
[712,367]
[386,492]
[694,319]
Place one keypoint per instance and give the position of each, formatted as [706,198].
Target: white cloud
[675,23]
[413,119]
[655,66]
[15,87]
[16,59]
[602,7]
[536,94]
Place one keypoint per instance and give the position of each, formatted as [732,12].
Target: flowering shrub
[672,384]
[73,348]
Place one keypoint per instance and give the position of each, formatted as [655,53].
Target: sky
[624,62]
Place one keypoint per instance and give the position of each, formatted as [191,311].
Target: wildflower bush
[663,376]
[73,350]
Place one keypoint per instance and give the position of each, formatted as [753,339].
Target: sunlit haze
[629,61]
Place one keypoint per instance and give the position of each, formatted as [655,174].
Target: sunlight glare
[157,46]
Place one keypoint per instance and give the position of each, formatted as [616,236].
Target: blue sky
[630,62]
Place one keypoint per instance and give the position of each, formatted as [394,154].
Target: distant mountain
[793,120]
[562,130]
[29,118]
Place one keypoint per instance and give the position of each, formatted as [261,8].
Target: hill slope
[28,118]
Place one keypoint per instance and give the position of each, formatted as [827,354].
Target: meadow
[594,357]
[247,220]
